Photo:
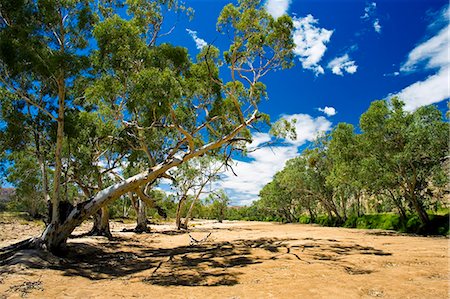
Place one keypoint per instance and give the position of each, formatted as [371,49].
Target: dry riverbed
[237,260]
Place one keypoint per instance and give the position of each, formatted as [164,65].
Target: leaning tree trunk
[191,208]
[398,203]
[55,235]
[179,207]
[421,212]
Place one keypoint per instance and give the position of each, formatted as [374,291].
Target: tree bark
[421,212]
[58,152]
[141,225]
[178,216]
[101,224]
[398,204]
[191,208]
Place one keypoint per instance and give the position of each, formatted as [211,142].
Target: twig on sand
[194,241]
[26,287]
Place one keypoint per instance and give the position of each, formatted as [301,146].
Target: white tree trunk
[141,225]
[56,234]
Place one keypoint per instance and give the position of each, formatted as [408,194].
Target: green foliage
[397,163]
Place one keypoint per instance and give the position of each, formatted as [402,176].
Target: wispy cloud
[199,43]
[370,13]
[377,26]
[262,164]
[342,64]
[277,8]
[330,111]
[432,54]
[310,42]
[369,10]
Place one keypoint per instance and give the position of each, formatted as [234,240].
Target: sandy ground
[238,260]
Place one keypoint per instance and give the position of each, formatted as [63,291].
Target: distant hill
[6,194]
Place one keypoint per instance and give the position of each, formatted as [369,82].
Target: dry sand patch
[238,260]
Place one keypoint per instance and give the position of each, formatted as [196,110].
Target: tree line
[396,161]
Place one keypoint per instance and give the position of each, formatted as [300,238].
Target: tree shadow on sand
[208,264]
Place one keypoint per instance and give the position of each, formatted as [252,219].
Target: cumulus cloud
[432,54]
[277,8]
[199,43]
[307,127]
[252,175]
[261,165]
[310,42]
[330,111]
[342,64]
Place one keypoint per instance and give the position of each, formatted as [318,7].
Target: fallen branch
[194,241]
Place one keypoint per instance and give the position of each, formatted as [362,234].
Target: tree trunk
[54,236]
[178,216]
[101,224]
[191,208]
[312,217]
[58,152]
[141,226]
[423,216]
[398,204]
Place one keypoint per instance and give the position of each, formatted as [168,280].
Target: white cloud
[342,64]
[432,54]
[307,127]
[199,43]
[277,8]
[377,26]
[433,89]
[254,174]
[369,10]
[310,42]
[330,111]
[262,164]
[258,139]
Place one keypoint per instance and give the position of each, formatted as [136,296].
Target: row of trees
[95,107]
[397,162]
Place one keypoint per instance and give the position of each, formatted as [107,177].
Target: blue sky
[349,53]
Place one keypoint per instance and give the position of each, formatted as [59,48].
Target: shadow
[209,264]
[205,264]
[357,249]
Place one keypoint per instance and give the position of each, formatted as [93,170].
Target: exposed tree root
[8,251]
[142,228]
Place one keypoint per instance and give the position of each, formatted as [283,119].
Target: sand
[238,260]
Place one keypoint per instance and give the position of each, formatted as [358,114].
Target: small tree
[191,179]
[219,202]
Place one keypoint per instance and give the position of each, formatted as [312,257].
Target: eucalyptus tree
[318,169]
[191,179]
[344,150]
[25,147]
[406,149]
[218,203]
[165,108]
